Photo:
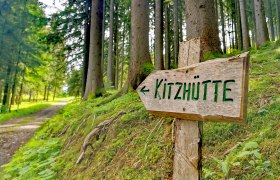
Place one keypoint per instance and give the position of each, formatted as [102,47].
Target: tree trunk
[1,90]
[48,92]
[181,11]
[271,23]
[159,36]
[254,31]
[45,93]
[205,27]
[103,37]
[277,2]
[140,54]
[238,25]
[216,9]
[116,50]
[14,82]
[20,93]
[30,96]
[232,31]
[111,63]
[176,31]
[86,46]
[5,102]
[14,87]
[54,93]
[261,26]
[95,85]
[229,33]
[167,42]
[244,24]
[123,56]
[223,25]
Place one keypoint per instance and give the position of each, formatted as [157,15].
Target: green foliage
[249,156]
[147,68]
[36,160]
[74,83]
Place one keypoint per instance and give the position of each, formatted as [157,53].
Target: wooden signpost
[214,90]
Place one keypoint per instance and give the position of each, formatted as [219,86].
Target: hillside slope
[131,144]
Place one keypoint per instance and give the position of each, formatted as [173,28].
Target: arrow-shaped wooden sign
[215,90]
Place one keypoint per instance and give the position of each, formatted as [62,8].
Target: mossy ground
[140,146]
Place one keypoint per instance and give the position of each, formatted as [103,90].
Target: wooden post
[188,134]
[192,93]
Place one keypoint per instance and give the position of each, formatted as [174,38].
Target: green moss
[147,68]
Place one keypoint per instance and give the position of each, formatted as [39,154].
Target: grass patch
[27,108]
[23,111]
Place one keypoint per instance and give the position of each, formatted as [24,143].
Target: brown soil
[17,131]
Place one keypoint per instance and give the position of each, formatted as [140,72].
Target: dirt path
[17,131]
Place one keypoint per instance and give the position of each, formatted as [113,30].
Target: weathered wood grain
[187,162]
[222,94]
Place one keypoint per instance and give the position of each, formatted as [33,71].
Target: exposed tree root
[102,128]
[231,149]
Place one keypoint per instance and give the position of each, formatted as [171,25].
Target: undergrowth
[140,146]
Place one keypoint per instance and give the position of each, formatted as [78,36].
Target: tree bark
[103,37]
[277,2]
[181,12]
[95,85]
[5,102]
[205,27]
[14,85]
[238,26]
[20,93]
[116,49]
[54,93]
[159,36]
[167,42]
[244,24]
[176,31]
[48,92]
[271,23]
[216,9]
[223,25]
[86,46]
[45,92]
[254,31]
[111,62]
[123,55]
[140,54]
[261,26]
[1,90]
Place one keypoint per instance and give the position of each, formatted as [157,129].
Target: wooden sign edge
[245,86]
[198,117]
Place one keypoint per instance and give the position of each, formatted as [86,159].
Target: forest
[68,82]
